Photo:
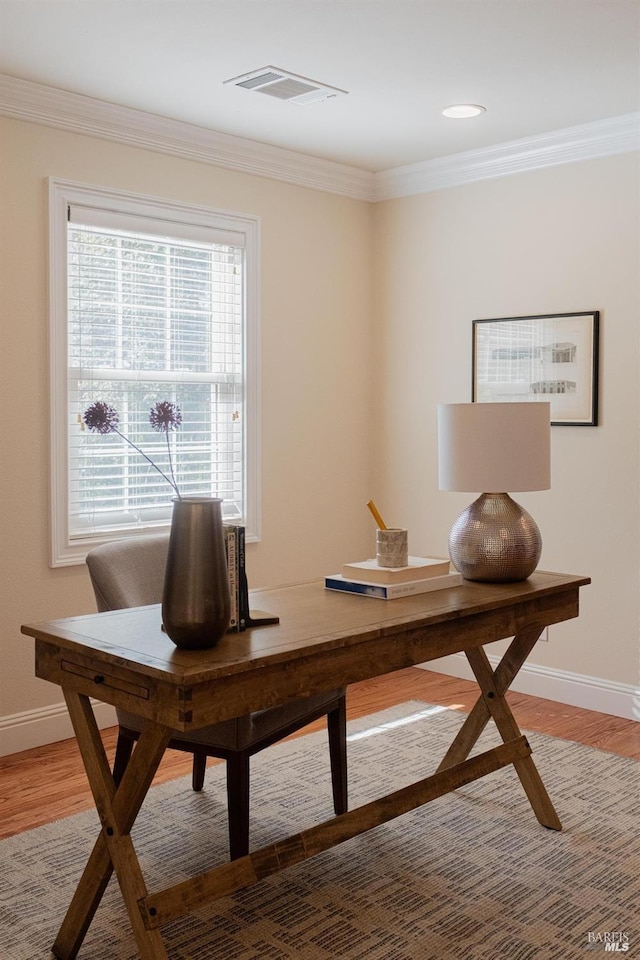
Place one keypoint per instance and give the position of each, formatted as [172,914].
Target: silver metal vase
[195,601]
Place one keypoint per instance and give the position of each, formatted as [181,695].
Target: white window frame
[62,194]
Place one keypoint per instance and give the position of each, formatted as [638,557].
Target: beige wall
[365,310]
[316,263]
[559,240]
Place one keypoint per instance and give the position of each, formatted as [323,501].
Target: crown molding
[76,113]
[588,141]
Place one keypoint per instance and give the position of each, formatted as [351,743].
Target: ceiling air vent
[286,86]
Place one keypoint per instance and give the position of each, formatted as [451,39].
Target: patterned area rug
[472,875]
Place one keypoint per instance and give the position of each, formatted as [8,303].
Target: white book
[417,568]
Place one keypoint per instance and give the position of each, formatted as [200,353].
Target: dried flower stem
[171,480]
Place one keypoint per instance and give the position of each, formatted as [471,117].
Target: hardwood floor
[47,783]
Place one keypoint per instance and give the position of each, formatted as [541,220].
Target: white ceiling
[536,65]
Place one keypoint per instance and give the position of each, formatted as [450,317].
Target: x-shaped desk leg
[118,809]
[493,704]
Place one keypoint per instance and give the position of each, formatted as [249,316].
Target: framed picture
[553,357]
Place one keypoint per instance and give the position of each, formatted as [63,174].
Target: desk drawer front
[104,680]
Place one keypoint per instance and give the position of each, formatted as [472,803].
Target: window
[151,301]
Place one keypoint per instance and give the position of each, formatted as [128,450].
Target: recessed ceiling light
[463,111]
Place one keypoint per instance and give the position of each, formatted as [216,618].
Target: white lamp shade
[494,447]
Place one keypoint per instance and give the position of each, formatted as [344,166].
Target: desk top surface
[312,619]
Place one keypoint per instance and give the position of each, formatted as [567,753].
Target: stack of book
[241,616]
[238,590]
[367,578]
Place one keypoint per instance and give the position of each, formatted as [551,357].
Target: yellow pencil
[376,516]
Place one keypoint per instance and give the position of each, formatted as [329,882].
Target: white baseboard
[575,689]
[34,728]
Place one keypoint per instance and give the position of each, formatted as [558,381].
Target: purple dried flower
[100,417]
[165,416]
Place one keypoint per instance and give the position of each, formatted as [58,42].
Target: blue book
[392,591]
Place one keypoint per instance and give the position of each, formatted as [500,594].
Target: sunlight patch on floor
[401,722]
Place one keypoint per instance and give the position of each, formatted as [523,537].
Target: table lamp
[494,447]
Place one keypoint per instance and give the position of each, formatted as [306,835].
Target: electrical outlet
[544,636]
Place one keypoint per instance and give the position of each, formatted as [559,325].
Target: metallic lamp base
[495,540]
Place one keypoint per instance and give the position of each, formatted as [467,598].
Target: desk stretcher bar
[158,909]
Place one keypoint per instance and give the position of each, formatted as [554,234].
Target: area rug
[472,875]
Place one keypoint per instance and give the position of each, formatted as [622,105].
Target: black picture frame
[550,356]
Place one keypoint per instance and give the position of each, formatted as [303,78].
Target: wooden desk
[324,640]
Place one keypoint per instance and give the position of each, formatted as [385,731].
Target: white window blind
[155,311]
